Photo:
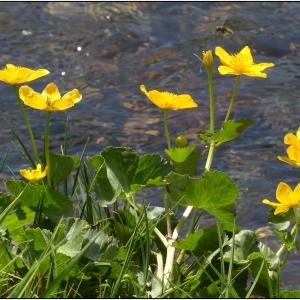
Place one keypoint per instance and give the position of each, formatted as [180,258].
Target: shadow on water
[108,49]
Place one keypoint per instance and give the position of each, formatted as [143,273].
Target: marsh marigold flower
[50,99]
[240,63]
[287,198]
[293,151]
[169,101]
[15,75]
[35,174]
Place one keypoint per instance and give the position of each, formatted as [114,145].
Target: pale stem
[232,99]
[27,123]
[171,250]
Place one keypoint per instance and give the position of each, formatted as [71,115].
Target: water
[108,49]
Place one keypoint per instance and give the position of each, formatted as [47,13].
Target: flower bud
[208,59]
[181,141]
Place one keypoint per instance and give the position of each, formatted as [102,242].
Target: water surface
[108,49]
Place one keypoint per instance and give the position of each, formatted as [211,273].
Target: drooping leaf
[281,221]
[101,185]
[244,244]
[62,166]
[184,159]
[128,172]
[215,192]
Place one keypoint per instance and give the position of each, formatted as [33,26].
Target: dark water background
[108,49]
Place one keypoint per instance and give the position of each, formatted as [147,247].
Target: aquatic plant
[83,232]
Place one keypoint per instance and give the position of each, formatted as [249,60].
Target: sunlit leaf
[215,192]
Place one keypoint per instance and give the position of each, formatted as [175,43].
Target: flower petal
[37,74]
[225,70]
[51,92]
[288,161]
[73,95]
[262,66]
[290,139]
[282,192]
[223,55]
[268,202]
[293,153]
[281,209]
[246,55]
[32,98]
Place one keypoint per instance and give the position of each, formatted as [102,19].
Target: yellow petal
[224,57]
[167,100]
[293,153]
[32,98]
[51,92]
[246,55]
[15,75]
[261,66]
[297,189]
[224,70]
[281,209]
[73,95]
[61,104]
[26,174]
[253,73]
[37,74]
[273,204]
[288,161]
[290,139]
[282,192]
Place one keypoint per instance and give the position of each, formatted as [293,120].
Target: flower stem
[27,123]
[211,100]
[46,147]
[171,250]
[167,133]
[232,99]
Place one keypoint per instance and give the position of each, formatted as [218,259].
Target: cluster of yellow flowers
[286,197]
[236,64]
[49,100]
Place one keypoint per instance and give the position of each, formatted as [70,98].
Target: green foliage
[230,130]
[125,171]
[215,192]
[199,242]
[62,166]
[184,159]
[55,204]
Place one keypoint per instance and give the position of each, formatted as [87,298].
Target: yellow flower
[207,58]
[35,174]
[287,198]
[293,151]
[169,101]
[50,99]
[15,75]
[240,63]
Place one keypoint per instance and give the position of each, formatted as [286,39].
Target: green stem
[167,133]
[283,247]
[232,99]
[27,123]
[46,146]
[211,101]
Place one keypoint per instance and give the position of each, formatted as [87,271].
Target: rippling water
[108,49]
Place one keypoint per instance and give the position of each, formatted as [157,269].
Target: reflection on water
[108,49]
